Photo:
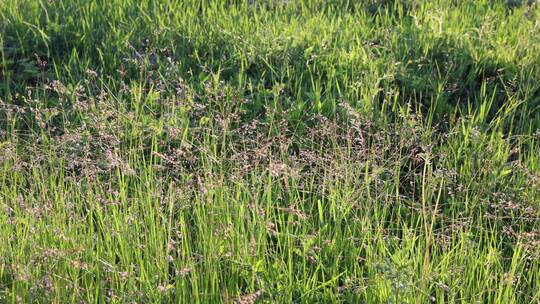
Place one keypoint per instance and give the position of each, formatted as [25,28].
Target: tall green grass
[269,151]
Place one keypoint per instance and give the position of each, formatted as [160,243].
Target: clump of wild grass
[292,152]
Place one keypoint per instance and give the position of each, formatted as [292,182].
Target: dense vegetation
[164,151]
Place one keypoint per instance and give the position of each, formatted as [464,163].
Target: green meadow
[261,151]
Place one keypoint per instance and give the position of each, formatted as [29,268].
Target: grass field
[198,151]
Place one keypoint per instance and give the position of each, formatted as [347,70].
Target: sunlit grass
[269,151]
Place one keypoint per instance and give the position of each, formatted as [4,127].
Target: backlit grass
[269,151]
